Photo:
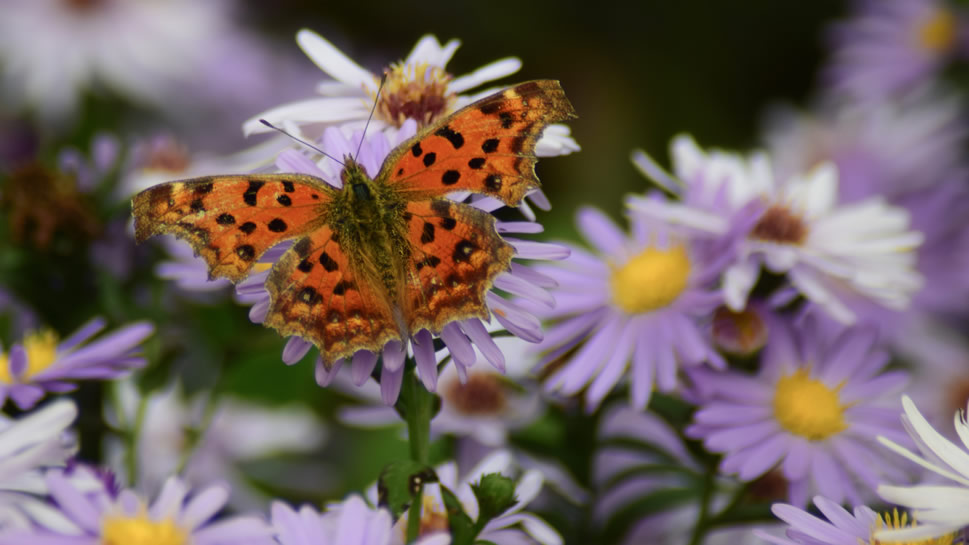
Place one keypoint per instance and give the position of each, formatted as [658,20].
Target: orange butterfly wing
[486,147]
[455,255]
[231,220]
[329,298]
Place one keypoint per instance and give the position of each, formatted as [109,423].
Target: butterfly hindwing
[231,220]
[321,294]
[486,147]
[455,255]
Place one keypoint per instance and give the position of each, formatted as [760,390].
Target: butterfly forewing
[455,255]
[486,147]
[231,220]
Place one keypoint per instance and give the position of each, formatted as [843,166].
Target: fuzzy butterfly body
[378,259]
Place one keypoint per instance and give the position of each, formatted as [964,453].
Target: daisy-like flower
[796,227]
[812,411]
[637,305]
[28,445]
[51,52]
[418,88]
[483,404]
[940,509]
[107,517]
[842,527]
[209,440]
[512,527]
[40,364]
[890,47]
[910,153]
[460,337]
[351,522]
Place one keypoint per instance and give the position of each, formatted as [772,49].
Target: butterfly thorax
[367,218]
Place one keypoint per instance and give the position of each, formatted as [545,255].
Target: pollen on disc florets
[897,521]
[808,407]
[938,32]
[170,156]
[38,202]
[779,224]
[415,91]
[83,5]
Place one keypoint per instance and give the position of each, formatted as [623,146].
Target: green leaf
[463,529]
[495,494]
[400,482]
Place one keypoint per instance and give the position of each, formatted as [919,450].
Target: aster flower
[418,88]
[842,527]
[460,337]
[796,227]
[53,51]
[106,516]
[351,522]
[210,439]
[812,411]
[910,152]
[39,364]
[636,306]
[484,404]
[512,527]
[28,445]
[890,47]
[940,508]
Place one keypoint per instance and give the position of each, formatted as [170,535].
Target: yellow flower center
[938,32]
[894,521]
[41,348]
[651,280]
[808,407]
[141,531]
[415,91]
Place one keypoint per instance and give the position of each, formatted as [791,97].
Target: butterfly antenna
[301,141]
[383,79]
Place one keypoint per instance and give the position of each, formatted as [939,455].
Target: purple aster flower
[175,517]
[794,226]
[460,337]
[890,47]
[39,364]
[841,527]
[483,404]
[813,411]
[89,172]
[639,305]
[351,522]
[21,317]
[28,445]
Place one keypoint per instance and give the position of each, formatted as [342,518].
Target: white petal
[332,61]
[486,73]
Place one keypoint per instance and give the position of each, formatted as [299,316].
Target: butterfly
[378,259]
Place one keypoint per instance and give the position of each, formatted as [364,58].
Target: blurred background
[178,80]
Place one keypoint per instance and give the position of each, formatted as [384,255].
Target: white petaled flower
[417,88]
[51,51]
[940,509]
[795,226]
[228,434]
[29,444]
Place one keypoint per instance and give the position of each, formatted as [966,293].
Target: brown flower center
[779,224]
[418,92]
[742,332]
[39,203]
[769,487]
[483,394]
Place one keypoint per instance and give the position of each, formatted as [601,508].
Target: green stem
[414,516]
[134,431]
[418,410]
[700,529]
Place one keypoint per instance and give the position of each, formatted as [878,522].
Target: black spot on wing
[429,159]
[477,163]
[450,177]
[455,138]
[203,188]
[284,200]
[448,223]
[252,192]
[247,227]
[246,252]
[277,225]
[416,150]
[328,263]
[427,233]
[288,187]
[490,145]
[462,251]
[225,219]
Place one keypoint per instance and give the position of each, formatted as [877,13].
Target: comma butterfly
[378,259]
